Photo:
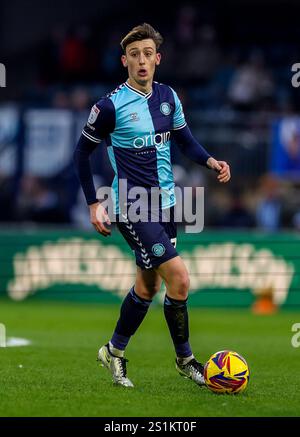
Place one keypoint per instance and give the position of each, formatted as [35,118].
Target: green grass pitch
[57,375]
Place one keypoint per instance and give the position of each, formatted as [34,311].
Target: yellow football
[226,372]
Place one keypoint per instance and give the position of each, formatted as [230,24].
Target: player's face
[141,59]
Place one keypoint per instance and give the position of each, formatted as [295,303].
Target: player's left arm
[191,147]
[197,153]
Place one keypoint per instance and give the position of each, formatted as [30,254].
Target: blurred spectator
[251,84]
[296,221]
[80,99]
[6,199]
[269,208]
[200,61]
[60,100]
[110,62]
[289,135]
[38,202]
[77,59]
[185,27]
[49,56]
[169,61]
[238,214]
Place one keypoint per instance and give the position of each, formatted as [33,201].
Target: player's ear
[124,60]
[158,58]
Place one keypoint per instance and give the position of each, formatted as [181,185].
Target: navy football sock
[133,311]
[176,315]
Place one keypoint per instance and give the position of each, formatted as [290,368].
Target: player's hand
[99,216]
[221,167]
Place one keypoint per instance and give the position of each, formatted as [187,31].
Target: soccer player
[137,121]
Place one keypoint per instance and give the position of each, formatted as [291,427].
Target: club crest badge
[165,108]
[158,249]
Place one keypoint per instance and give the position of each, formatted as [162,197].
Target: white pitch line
[16,342]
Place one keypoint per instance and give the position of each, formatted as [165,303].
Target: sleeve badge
[93,114]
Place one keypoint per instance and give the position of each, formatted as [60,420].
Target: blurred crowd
[219,85]
[209,71]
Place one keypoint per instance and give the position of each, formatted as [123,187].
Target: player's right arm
[100,124]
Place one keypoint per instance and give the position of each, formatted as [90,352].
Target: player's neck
[144,89]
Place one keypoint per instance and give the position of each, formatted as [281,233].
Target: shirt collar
[140,93]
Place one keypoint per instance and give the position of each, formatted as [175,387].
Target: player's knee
[148,292]
[181,285]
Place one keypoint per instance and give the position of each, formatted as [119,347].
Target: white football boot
[116,366]
[192,370]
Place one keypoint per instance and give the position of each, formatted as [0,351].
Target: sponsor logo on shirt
[158,140]
[134,116]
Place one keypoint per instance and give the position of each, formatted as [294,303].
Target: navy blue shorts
[153,242]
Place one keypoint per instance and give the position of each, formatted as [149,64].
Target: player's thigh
[147,283]
[176,277]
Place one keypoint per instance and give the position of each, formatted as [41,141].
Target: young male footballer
[138,120]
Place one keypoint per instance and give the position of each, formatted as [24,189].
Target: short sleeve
[178,117]
[101,121]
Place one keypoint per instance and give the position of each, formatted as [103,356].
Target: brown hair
[138,33]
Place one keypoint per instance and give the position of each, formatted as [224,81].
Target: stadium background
[231,65]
